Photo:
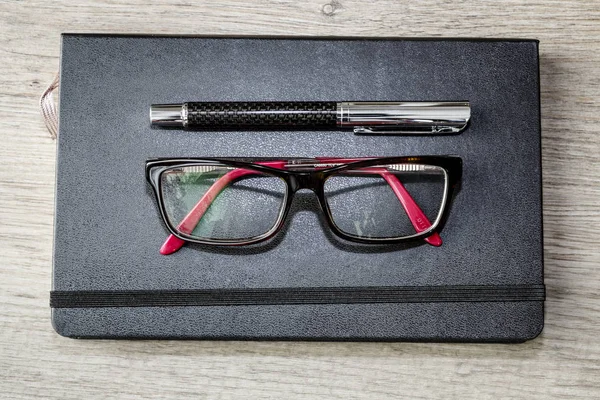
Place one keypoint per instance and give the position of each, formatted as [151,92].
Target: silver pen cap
[404,117]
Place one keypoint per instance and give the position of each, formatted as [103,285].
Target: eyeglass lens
[218,202]
[368,202]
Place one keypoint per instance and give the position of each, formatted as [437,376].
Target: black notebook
[485,283]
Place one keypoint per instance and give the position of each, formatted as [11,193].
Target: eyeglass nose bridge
[306,180]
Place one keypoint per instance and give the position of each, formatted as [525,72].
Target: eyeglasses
[240,201]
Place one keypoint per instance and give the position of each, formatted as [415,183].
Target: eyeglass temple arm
[416,216]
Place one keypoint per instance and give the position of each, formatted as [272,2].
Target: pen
[363,117]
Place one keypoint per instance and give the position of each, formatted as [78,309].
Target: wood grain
[564,362]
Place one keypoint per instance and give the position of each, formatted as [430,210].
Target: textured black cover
[108,229]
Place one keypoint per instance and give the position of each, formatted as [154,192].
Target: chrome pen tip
[167,115]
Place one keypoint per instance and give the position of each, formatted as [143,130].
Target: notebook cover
[109,281]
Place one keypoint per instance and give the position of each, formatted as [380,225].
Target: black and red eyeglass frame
[305,173]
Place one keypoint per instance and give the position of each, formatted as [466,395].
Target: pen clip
[412,130]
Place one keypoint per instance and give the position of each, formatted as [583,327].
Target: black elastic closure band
[283,296]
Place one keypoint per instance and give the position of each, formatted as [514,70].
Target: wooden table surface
[564,362]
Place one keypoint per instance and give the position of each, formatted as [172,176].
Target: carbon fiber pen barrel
[363,117]
[263,114]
